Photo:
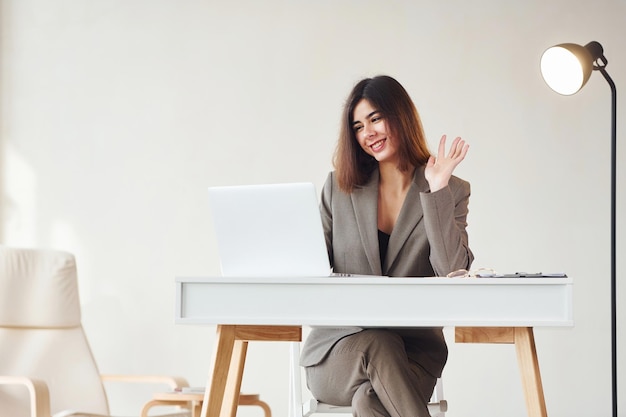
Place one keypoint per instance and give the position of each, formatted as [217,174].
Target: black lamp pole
[601,68]
[613,233]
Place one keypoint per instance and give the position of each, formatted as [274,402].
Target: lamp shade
[566,67]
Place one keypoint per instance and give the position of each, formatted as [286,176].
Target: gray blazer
[429,239]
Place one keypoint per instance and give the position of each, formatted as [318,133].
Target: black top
[383,243]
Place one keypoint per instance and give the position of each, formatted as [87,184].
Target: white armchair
[46,366]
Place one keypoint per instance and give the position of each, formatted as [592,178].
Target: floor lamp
[566,68]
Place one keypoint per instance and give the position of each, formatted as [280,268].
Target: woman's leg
[377,356]
[365,402]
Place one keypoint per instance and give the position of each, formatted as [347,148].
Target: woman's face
[371,132]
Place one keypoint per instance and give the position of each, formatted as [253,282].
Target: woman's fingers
[458,148]
[442,147]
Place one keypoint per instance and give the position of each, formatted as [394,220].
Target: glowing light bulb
[562,70]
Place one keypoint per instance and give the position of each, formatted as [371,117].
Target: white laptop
[270,230]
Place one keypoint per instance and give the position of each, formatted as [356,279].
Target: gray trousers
[371,372]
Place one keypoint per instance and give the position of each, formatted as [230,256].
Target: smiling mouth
[378,145]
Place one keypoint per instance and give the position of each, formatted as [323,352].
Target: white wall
[117,114]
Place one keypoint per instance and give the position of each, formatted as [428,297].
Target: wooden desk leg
[221,397]
[216,385]
[529,369]
[235,375]
[524,341]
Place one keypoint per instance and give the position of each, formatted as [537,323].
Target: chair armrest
[38,390]
[173,381]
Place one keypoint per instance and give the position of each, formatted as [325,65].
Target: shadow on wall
[18,188]
[3,198]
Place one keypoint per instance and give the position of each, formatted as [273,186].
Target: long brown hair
[353,166]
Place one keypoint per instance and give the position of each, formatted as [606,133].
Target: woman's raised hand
[439,170]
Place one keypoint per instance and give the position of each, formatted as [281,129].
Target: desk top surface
[376,280]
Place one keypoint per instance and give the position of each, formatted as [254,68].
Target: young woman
[389,208]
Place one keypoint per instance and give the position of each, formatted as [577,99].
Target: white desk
[483,310]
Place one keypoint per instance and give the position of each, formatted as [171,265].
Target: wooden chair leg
[155,403]
[266,408]
[254,399]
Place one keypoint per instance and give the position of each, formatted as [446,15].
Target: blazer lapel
[410,215]
[365,203]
